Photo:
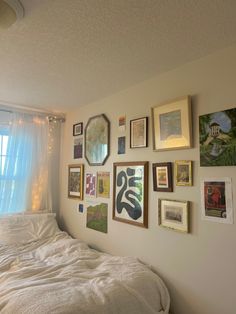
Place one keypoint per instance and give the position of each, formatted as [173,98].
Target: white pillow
[21,229]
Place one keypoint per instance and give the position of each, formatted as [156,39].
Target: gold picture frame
[183,173]
[75,181]
[172,126]
[174,214]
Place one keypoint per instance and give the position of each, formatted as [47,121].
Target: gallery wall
[198,267]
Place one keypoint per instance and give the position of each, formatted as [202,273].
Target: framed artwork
[121,145]
[90,180]
[174,214]
[139,133]
[75,181]
[78,129]
[218,138]
[162,177]
[103,184]
[216,200]
[78,147]
[183,172]
[97,217]
[130,195]
[172,125]
[122,123]
[97,140]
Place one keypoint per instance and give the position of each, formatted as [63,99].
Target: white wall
[199,268]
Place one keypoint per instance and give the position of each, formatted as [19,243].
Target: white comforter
[63,275]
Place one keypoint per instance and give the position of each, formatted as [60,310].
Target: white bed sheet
[63,275]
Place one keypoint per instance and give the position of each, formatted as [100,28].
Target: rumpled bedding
[63,275]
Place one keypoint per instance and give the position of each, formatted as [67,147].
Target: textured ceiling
[67,53]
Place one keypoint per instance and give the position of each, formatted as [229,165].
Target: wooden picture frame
[130,193]
[162,177]
[139,132]
[174,214]
[183,173]
[97,140]
[75,181]
[172,126]
[78,129]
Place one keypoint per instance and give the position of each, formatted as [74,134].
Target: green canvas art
[218,138]
[97,217]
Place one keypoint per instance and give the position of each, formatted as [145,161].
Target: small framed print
[90,183]
[172,125]
[78,129]
[103,184]
[139,133]
[216,200]
[183,173]
[75,181]
[162,177]
[174,214]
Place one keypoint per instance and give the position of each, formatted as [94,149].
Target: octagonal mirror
[97,138]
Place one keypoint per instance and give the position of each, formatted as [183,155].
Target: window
[3,152]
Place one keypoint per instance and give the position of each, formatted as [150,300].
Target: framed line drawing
[75,181]
[172,126]
[97,140]
[183,173]
[130,193]
[139,132]
[174,214]
[78,129]
[162,177]
[216,200]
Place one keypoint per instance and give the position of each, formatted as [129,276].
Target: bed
[44,270]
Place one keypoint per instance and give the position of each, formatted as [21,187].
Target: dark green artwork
[218,138]
[97,217]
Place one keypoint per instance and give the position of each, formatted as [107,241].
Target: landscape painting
[218,138]
[97,217]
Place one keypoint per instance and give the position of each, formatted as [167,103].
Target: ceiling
[68,53]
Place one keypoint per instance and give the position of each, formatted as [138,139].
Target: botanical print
[97,217]
[103,184]
[170,125]
[90,184]
[162,177]
[217,200]
[74,182]
[218,138]
[129,193]
[78,148]
[138,133]
[121,145]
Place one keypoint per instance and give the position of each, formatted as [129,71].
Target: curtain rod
[5,107]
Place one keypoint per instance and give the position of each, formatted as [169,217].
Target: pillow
[22,229]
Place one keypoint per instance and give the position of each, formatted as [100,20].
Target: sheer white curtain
[24,183]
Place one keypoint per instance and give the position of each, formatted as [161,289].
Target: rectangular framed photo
[130,194]
[216,200]
[183,173]
[139,133]
[172,125]
[162,177]
[78,129]
[75,181]
[174,214]
[218,138]
[103,184]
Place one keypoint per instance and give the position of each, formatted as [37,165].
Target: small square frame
[174,214]
[183,173]
[78,129]
[162,177]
